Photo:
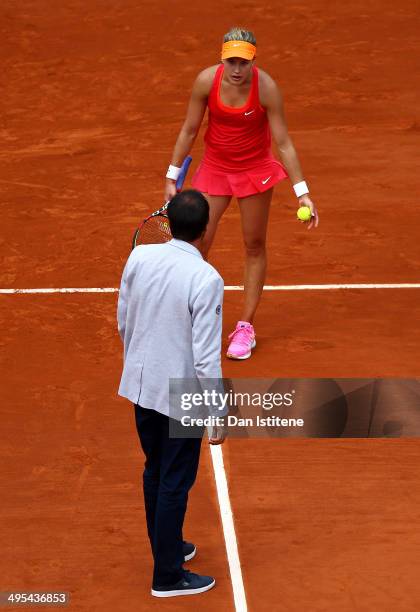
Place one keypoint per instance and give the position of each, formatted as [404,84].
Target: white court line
[64,290]
[229,288]
[228,529]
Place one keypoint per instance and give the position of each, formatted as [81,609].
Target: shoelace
[187,577]
[241,335]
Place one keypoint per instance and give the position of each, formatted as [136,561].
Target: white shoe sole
[191,555]
[253,345]
[183,591]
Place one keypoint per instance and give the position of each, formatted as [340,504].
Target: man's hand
[218,434]
[305,200]
[170,190]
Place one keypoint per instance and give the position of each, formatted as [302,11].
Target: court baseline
[228,288]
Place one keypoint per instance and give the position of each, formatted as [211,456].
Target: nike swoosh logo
[249,112]
[266,180]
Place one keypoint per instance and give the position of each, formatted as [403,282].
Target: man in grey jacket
[170,321]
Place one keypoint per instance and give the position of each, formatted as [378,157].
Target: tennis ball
[304,213]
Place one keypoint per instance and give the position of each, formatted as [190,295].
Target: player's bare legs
[217,205]
[254,218]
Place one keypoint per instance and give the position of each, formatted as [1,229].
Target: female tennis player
[245,110]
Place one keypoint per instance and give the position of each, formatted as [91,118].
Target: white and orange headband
[238,48]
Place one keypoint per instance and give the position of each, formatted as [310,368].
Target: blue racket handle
[184,171]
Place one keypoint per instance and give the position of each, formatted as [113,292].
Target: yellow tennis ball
[304,213]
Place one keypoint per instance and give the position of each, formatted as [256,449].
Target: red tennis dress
[238,160]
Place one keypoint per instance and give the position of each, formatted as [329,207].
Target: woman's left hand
[305,200]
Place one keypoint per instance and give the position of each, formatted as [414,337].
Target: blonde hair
[240,34]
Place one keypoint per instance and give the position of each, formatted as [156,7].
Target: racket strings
[154,230]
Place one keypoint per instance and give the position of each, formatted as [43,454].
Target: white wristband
[300,189]
[173,172]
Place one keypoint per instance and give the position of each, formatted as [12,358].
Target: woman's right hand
[170,189]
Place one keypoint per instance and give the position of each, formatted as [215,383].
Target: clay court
[93,95]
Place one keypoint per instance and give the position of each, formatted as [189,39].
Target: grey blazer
[170,321]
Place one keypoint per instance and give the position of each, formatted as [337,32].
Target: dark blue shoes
[189,551]
[190,584]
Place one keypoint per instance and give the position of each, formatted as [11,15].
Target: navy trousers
[169,472]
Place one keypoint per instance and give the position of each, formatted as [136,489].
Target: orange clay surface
[93,95]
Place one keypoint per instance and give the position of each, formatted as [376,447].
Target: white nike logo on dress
[249,112]
[267,179]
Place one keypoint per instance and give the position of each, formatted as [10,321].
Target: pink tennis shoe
[242,341]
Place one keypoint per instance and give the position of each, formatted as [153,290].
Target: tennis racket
[155,228]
